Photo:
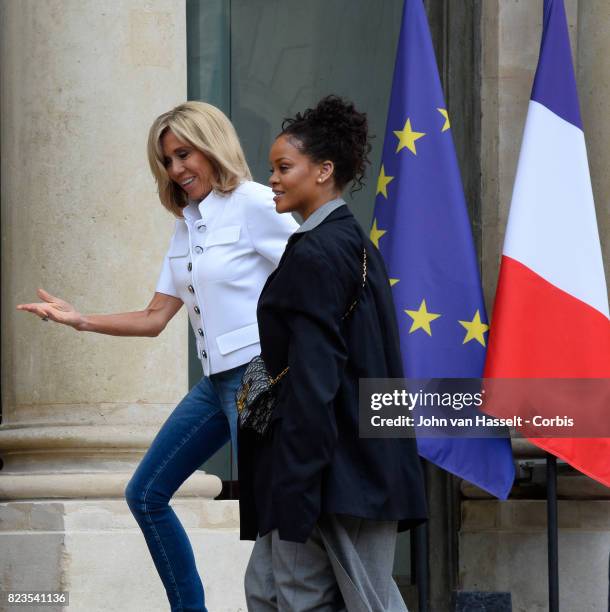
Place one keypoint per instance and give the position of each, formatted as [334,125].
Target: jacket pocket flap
[238,338]
[224,235]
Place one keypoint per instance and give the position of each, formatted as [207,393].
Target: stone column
[81,82]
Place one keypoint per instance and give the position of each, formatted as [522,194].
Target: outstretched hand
[53,308]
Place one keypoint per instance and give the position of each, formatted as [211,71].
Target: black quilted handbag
[256,397]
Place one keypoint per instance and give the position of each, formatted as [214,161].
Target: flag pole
[422,555]
[552,531]
[421,565]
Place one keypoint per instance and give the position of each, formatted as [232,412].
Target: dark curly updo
[336,131]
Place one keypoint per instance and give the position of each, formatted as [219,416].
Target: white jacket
[219,258]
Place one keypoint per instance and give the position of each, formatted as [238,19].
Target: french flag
[550,317]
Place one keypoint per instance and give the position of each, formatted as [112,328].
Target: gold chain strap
[279,377]
[353,304]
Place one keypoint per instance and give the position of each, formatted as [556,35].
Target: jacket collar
[338,214]
[191,212]
[205,209]
[320,214]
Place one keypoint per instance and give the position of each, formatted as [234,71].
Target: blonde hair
[208,129]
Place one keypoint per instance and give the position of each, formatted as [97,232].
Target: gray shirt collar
[318,215]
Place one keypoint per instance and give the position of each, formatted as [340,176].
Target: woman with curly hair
[324,504]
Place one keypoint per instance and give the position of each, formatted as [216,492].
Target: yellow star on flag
[445,114]
[407,137]
[475,329]
[383,182]
[393,281]
[376,233]
[421,318]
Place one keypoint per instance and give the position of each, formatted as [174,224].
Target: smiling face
[299,184]
[187,166]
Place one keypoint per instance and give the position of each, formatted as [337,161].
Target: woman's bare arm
[148,322]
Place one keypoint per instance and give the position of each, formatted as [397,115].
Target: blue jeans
[199,425]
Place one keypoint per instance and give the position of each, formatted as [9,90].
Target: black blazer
[311,461]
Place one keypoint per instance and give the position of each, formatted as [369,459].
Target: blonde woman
[228,238]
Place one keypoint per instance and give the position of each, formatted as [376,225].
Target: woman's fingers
[52,308]
[46,296]
[28,307]
[37,309]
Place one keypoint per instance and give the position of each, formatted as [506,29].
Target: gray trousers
[345,566]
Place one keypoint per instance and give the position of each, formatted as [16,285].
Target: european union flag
[422,229]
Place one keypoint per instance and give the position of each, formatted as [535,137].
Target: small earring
[319,180]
